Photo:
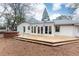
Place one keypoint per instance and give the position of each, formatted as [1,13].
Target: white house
[63,27]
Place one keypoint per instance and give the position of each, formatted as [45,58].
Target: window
[34,29]
[57,28]
[28,27]
[50,30]
[46,29]
[41,30]
[38,30]
[24,29]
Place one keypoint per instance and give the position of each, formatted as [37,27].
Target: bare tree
[15,13]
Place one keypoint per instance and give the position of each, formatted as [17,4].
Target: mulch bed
[9,34]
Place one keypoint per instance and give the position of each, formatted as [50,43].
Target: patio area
[47,38]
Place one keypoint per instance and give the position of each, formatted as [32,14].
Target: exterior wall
[76,33]
[43,25]
[2,30]
[66,31]
[20,28]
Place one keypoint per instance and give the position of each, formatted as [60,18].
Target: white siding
[43,25]
[76,31]
[66,31]
[20,28]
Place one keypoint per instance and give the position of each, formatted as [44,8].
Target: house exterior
[46,27]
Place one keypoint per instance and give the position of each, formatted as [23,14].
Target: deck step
[48,43]
[64,43]
[36,41]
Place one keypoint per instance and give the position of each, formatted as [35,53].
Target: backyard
[13,47]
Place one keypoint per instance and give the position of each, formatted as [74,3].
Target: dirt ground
[12,47]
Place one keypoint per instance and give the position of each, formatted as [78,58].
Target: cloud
[67,5]
[72,5]
[76,11]
[39,8]
[76,14]
[54,16]
[56,6]
[1,9]
[38,11]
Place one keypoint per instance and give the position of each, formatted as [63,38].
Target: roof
[56,22]
[45,16]
[65,22]
[32,20]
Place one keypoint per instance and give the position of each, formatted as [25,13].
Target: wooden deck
[52,39]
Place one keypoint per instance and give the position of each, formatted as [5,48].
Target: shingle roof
[32,20]
[62,22]
[56,22]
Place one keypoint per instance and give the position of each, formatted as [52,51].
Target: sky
[54,10]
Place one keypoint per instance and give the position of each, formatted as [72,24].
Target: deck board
[48,38]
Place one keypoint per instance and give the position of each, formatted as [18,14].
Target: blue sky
[62,9]
[54,10]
